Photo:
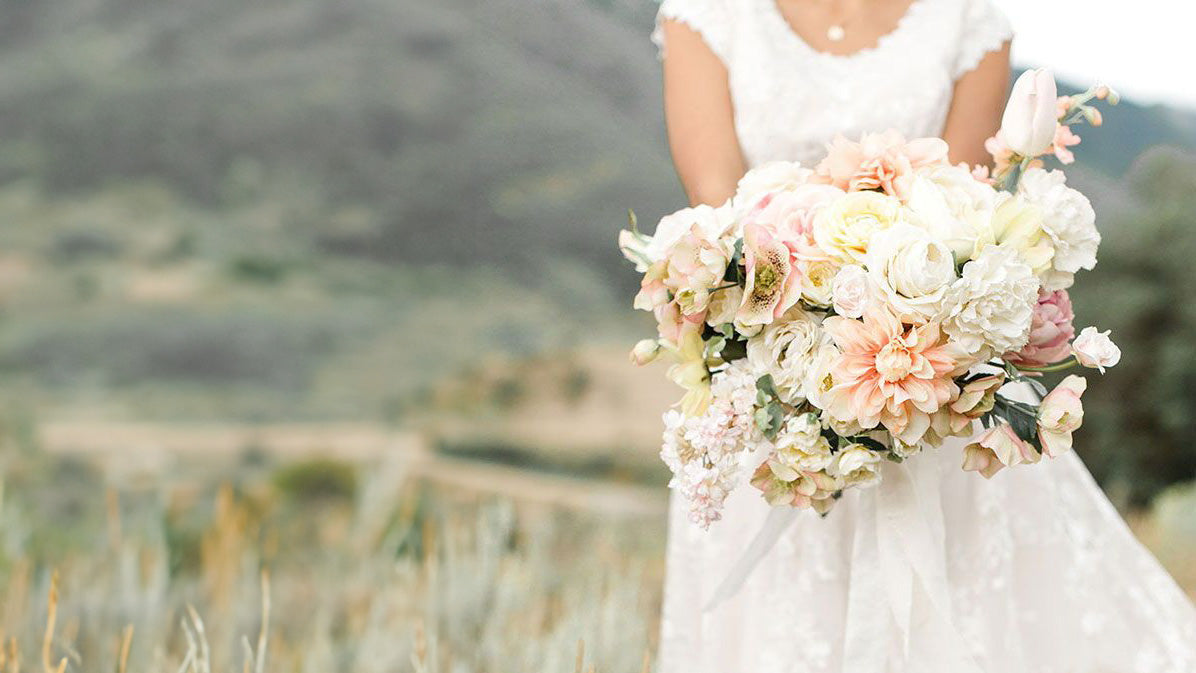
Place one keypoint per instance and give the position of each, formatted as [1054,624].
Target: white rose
[775,176]
[851,291]
[856,465]
[713,224]
[1095,349]
[785,349]
[800,447]
[1068,218]
[844,227]
[988,310]
[912,271]
[954,207]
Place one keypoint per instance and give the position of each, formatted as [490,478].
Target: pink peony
[1051,331]
[889,374]
[773,280]
[884,161]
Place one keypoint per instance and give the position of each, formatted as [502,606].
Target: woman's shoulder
[712,19]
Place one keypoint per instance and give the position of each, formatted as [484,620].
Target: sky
[1146,49]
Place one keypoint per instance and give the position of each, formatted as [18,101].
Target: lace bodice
[790,99]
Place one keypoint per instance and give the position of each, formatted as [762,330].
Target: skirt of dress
[933,571]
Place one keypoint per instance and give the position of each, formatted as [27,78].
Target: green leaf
[870,443]
[766,385]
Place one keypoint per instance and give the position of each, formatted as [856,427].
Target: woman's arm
[700,117]
[976,108]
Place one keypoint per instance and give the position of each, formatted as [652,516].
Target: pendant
[835,33]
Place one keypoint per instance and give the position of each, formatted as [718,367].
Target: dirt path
[148,447]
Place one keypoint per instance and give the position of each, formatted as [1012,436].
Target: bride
[936,570]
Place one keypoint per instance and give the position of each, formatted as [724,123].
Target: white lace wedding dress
[936,570]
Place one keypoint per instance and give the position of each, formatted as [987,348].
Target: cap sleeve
[711,19]
[985,29]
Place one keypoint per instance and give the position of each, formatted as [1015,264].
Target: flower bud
[1093,116]
[1028,125]
[645,351]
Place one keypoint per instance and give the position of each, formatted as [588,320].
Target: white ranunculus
[954,207]
[1031,116]
[856,465]
[817,282]
[844,227]
[785,349]
[713,224]
[912,271]
[1095,349]
[989,309]
[800,446]
[1068,218]
[820,377]
[851,291]
[774,176]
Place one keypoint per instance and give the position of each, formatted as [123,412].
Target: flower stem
[1057,367]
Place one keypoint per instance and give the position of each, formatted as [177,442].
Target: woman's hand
[700,117]
[976,107]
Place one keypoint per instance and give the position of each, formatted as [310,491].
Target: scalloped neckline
[794,38]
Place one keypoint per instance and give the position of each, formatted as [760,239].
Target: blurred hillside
[319,210]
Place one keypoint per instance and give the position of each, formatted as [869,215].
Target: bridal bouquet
[827,319]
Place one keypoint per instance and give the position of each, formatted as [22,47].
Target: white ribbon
[778,521]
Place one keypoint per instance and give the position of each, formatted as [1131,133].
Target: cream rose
[912,271]
[844,227]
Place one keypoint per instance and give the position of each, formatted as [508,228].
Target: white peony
[851,291]
[1068,218]
[775,176]
[1095,349]
[912,271]
[954,207]
[785,350]
[856,465]
[843,228]
[713,225]
[800,447]
[988,310]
